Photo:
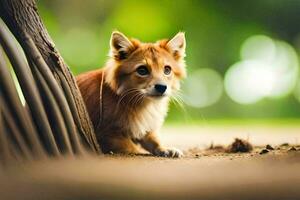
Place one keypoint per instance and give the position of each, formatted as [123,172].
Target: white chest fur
[148,119]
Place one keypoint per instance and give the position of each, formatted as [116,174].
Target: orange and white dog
[128,99]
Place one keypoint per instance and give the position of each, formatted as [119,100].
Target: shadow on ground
[204,173]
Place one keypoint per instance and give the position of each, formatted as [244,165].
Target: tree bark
[22,18]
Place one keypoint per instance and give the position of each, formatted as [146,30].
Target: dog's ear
[177,45]
[120,46]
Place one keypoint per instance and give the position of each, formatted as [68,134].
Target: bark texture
[22,18]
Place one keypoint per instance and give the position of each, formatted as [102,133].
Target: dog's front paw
[170,153]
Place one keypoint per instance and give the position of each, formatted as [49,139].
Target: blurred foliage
[215,31]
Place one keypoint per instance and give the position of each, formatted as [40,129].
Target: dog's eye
[167,70]
[142,70]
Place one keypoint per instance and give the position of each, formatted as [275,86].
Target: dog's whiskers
[125,94]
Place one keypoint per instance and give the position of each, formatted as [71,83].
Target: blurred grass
[228,122]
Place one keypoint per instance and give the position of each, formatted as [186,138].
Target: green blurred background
[242,56]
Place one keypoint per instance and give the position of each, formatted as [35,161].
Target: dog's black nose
[160,88]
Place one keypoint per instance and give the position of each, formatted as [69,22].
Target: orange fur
[132,108]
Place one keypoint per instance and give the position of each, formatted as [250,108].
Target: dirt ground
[207,171]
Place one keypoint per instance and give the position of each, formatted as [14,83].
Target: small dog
[128,99]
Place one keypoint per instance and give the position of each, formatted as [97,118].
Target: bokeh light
[268,68]
[248,81]
[258,47]
[203,88]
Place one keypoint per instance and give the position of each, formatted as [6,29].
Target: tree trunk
[23,20]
